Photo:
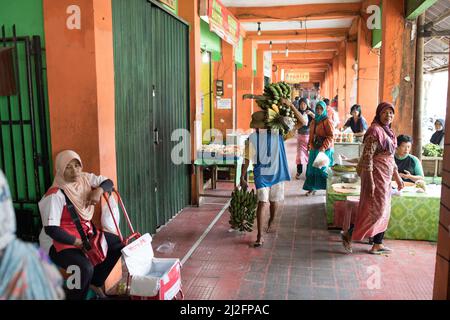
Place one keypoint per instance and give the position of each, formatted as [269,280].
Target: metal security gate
[152,100]
[24,147]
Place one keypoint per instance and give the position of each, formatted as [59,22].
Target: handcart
[149,278]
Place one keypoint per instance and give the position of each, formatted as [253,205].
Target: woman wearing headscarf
[67,210]
[438,136]
[26,273]
[320,140]
[357,122]
[303,136]
[376,168]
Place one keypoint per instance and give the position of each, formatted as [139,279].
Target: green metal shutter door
[171,85]
[149,45]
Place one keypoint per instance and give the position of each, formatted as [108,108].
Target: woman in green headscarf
[320,140]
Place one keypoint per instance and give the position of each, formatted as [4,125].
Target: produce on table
[342,168]
[433,150]
[243,209]
[421,185]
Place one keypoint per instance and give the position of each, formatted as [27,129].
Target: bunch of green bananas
[275,91]
[243,209]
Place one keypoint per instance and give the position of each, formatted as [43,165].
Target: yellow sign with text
[297,77]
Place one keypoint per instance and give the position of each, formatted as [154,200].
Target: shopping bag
[107,219]
[321,161]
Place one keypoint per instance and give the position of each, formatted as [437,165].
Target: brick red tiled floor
[301,260]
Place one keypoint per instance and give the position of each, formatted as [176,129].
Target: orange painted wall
[258,81]
[80,75]
[244,108]
[224,70]
[368,73]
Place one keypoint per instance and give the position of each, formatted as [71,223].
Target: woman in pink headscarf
[67,210]
[376,168]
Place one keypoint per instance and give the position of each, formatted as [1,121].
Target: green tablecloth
[414,216]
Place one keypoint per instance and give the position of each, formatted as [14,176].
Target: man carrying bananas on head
[265,148]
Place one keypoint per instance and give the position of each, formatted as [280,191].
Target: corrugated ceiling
[440,45]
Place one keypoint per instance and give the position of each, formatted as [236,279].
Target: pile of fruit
[276,114]
[433,150]
[243,209]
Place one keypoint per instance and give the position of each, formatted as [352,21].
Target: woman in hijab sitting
[67,210]
[320,140]
[438,136]
[26,272]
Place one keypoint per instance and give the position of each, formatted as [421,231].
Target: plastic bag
[107,220]
[166,247]
[321,161]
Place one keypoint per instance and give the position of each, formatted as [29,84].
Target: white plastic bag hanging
[107,220]
[321,161]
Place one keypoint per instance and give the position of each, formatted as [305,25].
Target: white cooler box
[151,278]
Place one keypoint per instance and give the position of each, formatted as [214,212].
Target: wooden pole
[418,95]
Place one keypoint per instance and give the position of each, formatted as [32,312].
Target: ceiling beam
[329,34]
[296,12]
[304,56]
[305,63]
[300,46]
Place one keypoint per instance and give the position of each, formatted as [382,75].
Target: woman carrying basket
[72,239]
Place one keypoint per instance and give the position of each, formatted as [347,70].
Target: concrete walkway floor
[300,260]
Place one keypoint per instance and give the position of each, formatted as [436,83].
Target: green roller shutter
[152,99]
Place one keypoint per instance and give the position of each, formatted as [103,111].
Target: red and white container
[149,278]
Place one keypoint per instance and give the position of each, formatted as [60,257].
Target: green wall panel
[209,41]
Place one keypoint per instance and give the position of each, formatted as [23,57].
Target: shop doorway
[151,60]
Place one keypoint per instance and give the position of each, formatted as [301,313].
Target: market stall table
[414,216]
[201,163]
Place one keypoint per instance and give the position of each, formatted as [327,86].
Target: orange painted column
[441,289]
[244,108]
[342,92]
[397,66]
[350,77]
[368,73]
[80,73]
[258,81]
[335,78]
[224,70]
[188,10]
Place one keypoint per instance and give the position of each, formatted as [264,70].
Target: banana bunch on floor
[243,209]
